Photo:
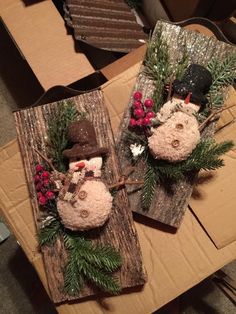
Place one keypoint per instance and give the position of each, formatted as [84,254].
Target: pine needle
[49,234]
[93,263]
[223,74]
[157,66]
[149,185]
[57,133]
[205,156]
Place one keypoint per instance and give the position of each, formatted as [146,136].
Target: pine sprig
[157,66]
[100,278]
[182,65]
[205,156]
[73,279]
[93,263]
[149,185]
[49,234]
[223,74]
[57,133]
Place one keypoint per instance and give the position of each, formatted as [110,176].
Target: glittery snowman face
[93,164]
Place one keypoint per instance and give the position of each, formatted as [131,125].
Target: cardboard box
[40,34]
[174,261]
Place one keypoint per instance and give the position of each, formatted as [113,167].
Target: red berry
[148,103]
[139,122]
[146,121]
[39,186]
[45,175]
[137,104]
[139,113]
[39,194]
[50,195]
[45,182]
[137,95]
[39,168]
[42,200]
[36,178]
[150,114]
[132,122]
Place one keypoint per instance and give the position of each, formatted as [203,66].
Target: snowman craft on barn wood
[84,201]
[178,132]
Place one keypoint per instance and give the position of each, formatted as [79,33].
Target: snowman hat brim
[183,89]
[80,152]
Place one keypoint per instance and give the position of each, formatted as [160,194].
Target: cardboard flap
[214,198]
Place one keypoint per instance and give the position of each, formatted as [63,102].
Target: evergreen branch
[99,278]
[73,280]
[49,234]
[149,185]
[57,133]
[103,257]
[157,66]
[94,263]
[182,65]
[223,74]
[205,156]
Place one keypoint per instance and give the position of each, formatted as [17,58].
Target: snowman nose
[80,165]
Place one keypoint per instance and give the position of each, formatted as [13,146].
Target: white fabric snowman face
[93,164]
[175,104]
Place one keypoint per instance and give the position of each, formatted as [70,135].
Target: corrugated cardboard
[39,32]
[174,261]
[214,200]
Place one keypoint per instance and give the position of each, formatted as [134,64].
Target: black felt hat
[197,81]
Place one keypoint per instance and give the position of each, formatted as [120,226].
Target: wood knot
[175,143]
[82,195]
[84,213]
[179,126]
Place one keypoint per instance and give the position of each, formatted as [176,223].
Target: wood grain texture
[31,125]
[169,203]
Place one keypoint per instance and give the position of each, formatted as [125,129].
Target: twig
[212,115]
[169,90]
[125,182]
[44,158]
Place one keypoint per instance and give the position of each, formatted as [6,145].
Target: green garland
[207,153]
[86,262]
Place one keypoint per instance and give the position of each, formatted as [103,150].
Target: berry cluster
[42,183]
[142,112]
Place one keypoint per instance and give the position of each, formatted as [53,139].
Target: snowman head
[87,165]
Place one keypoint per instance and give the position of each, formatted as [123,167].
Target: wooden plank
[168,206]
[120,232]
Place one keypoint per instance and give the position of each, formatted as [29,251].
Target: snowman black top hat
[197,81]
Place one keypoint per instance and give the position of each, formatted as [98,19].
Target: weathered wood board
[31,125]
[168,205]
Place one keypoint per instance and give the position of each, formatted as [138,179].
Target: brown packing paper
[214,200]
[174,261]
